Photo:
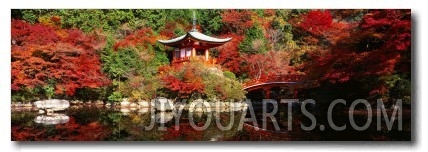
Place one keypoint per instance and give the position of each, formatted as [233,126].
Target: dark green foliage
[119,63]
[254,41]
[115,97]
[210,21]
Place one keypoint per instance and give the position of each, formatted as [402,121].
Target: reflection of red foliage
[68,131]
[250,133]
[185,132]
[253,134]
[89,132]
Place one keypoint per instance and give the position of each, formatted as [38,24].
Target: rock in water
[143,110]
[75,102]
[125,102]
[99,102]
[41,111]
[163,104]
[143,103]
[133,105]
[200,105]
[49,112]
[52,120]
[164,117]
[54,104]
[125,111]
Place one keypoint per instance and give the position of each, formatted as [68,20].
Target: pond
[98,123]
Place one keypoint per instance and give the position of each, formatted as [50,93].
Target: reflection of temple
[193,44]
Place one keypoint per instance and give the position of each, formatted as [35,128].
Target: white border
[140,4]
[418,13]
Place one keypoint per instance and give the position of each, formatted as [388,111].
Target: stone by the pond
[75,102]
[54,104]
[125,110]
[76,106]
[143,103]
[27,104]
[143,110]
[17,104]
[52,119]
[200,105]
[99,102]
[125,102]
[108,104]
[164,117]
[179,106]
[41,111]
[49,112]
[163,104]
[133,105]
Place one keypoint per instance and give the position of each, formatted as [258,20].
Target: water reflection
[143,110]
[118,124]
[164,117]
[95,123]
[53,119]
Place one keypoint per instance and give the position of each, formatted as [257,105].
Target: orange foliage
[238,20]
[143,37]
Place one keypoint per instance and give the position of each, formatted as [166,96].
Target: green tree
[254,41]
[210,21]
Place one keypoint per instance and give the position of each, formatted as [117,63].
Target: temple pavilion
[194,45]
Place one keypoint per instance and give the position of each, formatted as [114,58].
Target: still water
[90,123]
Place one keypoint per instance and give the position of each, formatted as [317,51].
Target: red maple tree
[41,56]
[182,80]
[378,47]
[229,56]
[143,37]
[237,20]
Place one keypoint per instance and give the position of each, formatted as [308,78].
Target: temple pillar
[193,52]
[207,54]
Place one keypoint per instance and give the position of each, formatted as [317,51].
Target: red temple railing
[187,59]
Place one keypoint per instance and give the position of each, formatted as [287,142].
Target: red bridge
[267,83]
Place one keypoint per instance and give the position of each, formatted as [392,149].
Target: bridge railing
[267,79]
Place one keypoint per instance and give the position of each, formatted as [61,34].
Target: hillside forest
[108,55]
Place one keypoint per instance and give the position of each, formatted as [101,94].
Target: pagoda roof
[195,36]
